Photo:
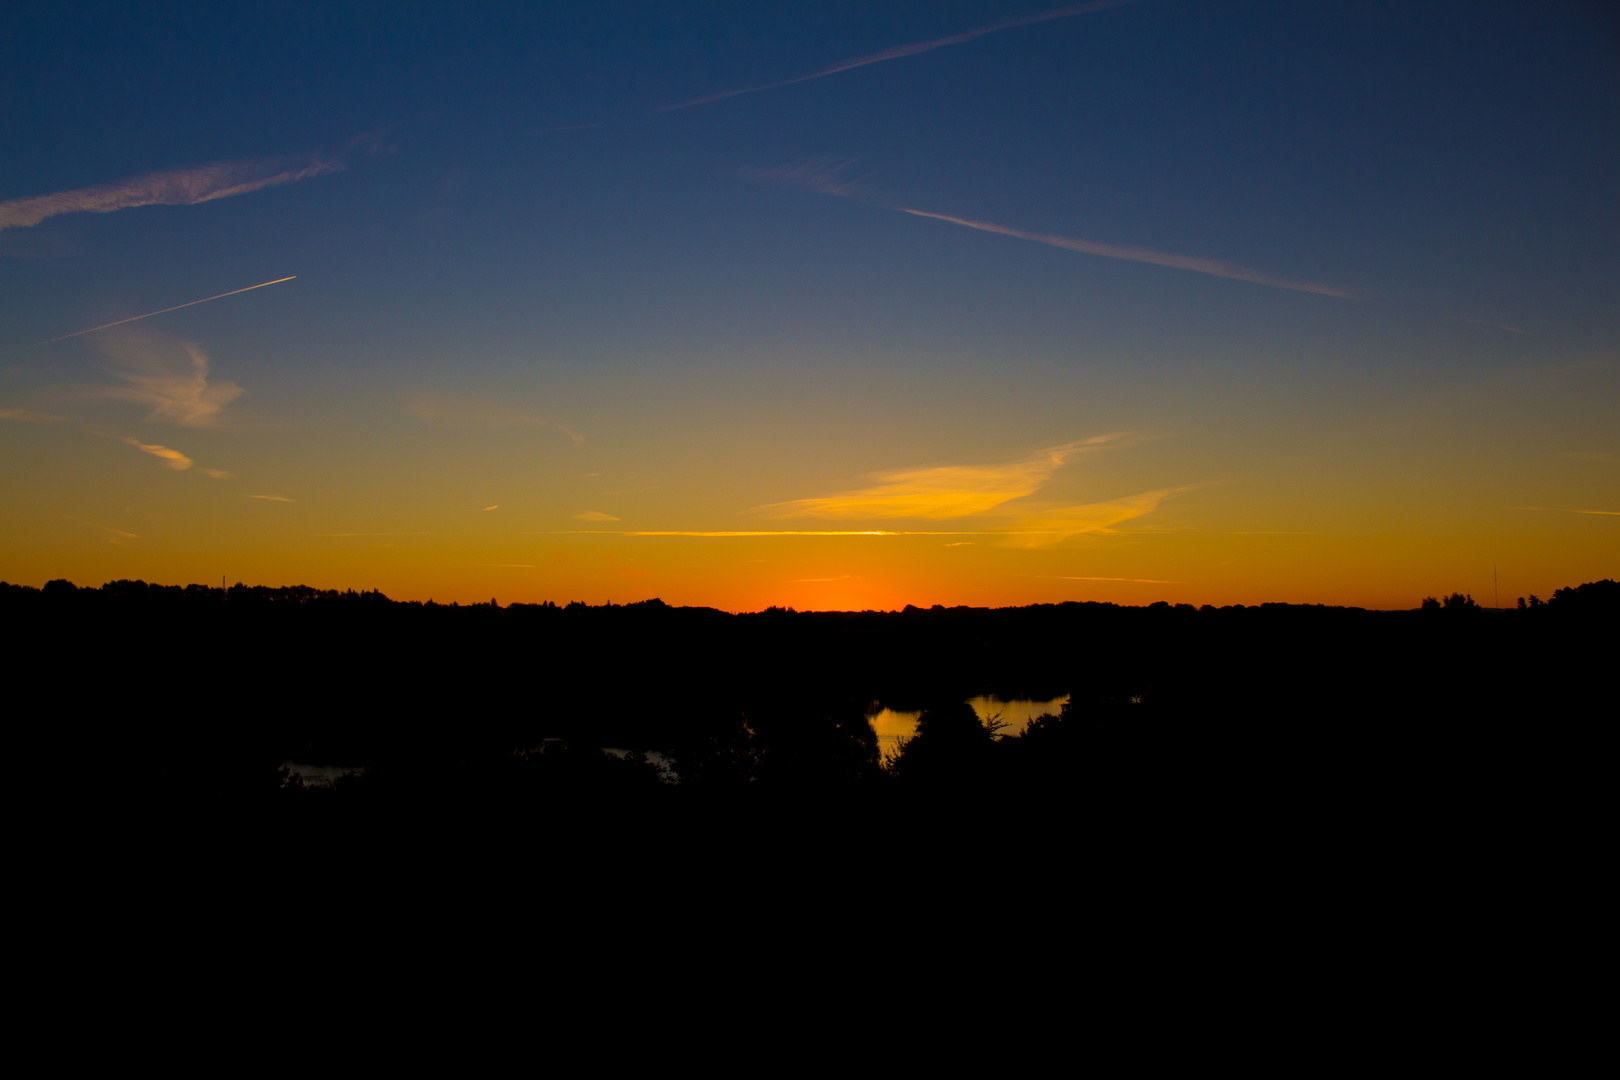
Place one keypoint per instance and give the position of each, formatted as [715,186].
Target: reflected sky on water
[892,724]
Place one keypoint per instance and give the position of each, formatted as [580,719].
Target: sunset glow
[850,307]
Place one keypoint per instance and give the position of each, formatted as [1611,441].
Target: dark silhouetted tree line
[200,694]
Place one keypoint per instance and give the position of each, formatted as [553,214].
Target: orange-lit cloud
[29,416]
[497,506]
[899,51]
[277,498]
[217,474]
[1060,523]
[177,390]
[174,459]
[176,187]
[1195,263]
[943,491]
[594,515]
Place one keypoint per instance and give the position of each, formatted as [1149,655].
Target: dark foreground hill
[203,691]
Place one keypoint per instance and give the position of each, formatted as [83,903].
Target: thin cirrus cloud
[1196,263]
[173,187]
[942,491]
[594,515]
[176,389]
[823,175]
[272,498]
[899,51]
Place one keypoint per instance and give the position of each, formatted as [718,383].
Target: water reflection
[892,725]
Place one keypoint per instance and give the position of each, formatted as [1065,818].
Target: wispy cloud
[283,498]
[900,51]
[29,416]
[497,506]
[822,175]
[594,515]
[1568,510]
[1195,263]
[458,413]
[217,474]
[177,389]
[1137,580]
[174,187]
[174,459]
[942,491]
[1062,522]
[117,534]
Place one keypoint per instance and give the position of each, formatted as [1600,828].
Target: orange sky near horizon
[1130,518]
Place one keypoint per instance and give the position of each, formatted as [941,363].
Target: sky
[823,305]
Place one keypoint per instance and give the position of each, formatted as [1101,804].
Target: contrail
[743,532]
[1194,263]
[907,50]
[177,307]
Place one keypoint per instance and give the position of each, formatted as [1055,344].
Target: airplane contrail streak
[1195,263]
[177,307]
[899,51]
